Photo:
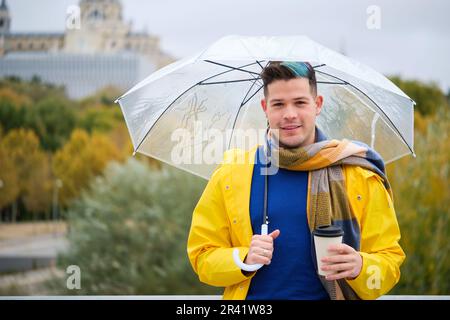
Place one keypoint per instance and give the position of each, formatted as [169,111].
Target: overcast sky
[413,39]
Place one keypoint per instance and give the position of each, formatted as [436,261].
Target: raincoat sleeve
[209,244]
[380,249]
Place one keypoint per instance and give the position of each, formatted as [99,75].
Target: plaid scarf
[327,198]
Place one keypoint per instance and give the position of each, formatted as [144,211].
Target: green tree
[100,118]
[12,107]
[82,158]
[35,89]
[128,232]
[53,119]
[428,96]
[105,96]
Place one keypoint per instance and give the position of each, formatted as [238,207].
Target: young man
[319,182]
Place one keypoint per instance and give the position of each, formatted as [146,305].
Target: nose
[289,113]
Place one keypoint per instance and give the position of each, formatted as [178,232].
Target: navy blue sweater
[291,274]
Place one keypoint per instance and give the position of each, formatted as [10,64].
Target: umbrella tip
[134,153]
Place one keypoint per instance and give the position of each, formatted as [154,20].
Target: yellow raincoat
[221,222]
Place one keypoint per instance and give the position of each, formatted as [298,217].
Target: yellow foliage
[421,187]
[420,123]
[33,181]
[9,186]
[13,97]
[82,158]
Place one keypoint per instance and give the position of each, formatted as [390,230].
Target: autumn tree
[9,185]
[82,158]
[22,147]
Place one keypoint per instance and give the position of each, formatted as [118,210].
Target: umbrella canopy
[176,114]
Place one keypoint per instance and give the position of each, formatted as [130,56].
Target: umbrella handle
[244,266]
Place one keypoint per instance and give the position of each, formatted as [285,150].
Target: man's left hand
[344,260]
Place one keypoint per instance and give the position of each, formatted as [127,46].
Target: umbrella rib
[379,108]
[239,110]
[248,91]
[245,102]
[233,68]
[221,73]
[262,68]
[180,95]
[229,81]
[331,82]
[320,65]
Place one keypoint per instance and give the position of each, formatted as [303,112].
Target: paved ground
[31,252]
[47,245]
[28,255]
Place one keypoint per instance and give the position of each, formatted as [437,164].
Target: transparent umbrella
[219,90]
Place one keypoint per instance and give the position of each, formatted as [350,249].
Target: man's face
[291,108]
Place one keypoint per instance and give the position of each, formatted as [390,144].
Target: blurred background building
[97,49]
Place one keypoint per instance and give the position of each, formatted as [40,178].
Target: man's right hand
[261,248]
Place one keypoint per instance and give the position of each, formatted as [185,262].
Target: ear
[264,105]
[319,104]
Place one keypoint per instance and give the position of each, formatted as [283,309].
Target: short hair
[287,70]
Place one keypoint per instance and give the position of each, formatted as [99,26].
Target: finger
[264,253]
[261,244]
[267,253]
[261,251]
[338,267]
[340,248]
[274,234]
[338,258]
[260,259]
[340,275]
[267,239]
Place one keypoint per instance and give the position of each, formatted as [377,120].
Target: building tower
[5,18]
[101,28]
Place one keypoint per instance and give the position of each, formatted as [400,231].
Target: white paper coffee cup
[323,238]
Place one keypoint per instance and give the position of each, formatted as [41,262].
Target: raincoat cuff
[362,284]
[243,252]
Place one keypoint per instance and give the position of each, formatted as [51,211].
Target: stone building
[97,44]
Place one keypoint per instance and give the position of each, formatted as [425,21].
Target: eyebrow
[281,100]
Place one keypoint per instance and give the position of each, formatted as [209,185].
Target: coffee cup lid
[328,231]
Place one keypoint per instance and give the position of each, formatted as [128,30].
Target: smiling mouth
[291,127]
